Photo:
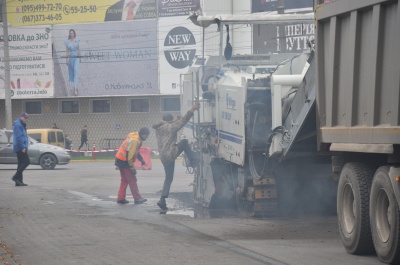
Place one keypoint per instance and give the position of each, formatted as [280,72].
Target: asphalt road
[70,216]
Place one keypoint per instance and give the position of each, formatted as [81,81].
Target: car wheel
[48,161]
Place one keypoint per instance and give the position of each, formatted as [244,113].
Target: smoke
[306,188]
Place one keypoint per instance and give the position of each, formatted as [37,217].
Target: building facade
[128,67]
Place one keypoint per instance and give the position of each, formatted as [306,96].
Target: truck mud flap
[394,173]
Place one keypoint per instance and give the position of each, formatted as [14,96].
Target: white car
[45,155]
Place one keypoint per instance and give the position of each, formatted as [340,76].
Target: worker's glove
[142,161]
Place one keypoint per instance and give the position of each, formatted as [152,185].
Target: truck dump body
[358,74]
[357,104]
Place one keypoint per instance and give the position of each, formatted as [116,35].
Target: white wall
[242,37]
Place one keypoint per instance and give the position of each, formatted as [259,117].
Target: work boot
[191,161]
[194,159]
[194,162]
[140,200]
[124,201]
[162,204]
[18,182]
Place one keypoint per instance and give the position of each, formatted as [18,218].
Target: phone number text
[66,9]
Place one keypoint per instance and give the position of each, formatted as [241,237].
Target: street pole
[281,6]
[7,80]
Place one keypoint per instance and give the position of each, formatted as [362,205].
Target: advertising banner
[107,59]
[272,5]
[282,38]
[179,41]
[174,8]
[31,63]
[41,12]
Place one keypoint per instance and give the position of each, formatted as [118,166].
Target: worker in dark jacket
[20,146]
[167,134]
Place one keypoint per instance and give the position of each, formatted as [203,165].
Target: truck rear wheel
[353,208]
[385,218]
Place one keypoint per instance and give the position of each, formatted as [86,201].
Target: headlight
[66,153]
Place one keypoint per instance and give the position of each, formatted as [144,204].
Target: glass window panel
[140,105]
[33,107]
[171,104]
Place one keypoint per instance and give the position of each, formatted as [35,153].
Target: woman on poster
[73,59]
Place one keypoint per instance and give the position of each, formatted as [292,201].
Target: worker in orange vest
[124,159]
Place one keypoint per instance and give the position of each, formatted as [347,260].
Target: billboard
[42,12]
[31,63]
[174,8]
[179,41]
[281,38]
[272,5]
[106,59]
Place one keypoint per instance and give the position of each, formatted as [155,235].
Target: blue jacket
[20,137]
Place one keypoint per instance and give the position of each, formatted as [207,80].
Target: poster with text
[179,41]
[31,63]
[106,59]
[282,38]
[39,12]
[174,8]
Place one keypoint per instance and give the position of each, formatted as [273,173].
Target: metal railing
[111,143]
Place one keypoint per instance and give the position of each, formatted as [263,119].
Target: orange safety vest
[122,153]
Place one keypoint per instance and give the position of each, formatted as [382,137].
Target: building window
[33,107]
[171,104]
[69,106]
[139,105]
[101,106]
